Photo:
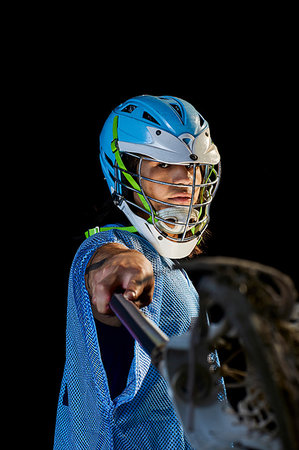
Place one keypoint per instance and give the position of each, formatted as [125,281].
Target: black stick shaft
[149,336]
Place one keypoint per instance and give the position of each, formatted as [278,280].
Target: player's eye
[163,165]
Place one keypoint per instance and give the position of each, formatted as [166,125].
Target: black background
[241,81]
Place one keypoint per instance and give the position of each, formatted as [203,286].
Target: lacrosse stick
[248,314]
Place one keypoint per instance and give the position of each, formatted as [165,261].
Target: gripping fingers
[130,273]
[140,291]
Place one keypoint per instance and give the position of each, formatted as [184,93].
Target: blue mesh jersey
[143,415]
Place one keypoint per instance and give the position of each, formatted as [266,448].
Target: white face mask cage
[179,223]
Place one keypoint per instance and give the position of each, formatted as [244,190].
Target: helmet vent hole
[147,116]
[129,108]
[177,109]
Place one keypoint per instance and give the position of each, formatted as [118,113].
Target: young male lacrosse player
[162,170]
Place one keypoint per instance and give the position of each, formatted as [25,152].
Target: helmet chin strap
[178,216]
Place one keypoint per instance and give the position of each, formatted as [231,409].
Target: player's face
[169,173]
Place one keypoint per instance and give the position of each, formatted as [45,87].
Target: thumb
[130,286]
[130,294]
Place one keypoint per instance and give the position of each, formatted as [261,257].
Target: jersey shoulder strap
[95,230]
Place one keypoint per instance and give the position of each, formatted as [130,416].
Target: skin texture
[127,270]
[123,270]
[176,174]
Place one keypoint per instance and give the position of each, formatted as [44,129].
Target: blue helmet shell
[168,113]
[171,114]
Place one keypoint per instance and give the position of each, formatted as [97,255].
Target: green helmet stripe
[130,179]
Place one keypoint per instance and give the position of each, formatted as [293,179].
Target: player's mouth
[180,199]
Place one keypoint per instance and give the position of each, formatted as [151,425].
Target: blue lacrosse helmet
[169,130]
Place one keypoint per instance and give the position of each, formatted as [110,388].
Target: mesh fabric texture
[143,415]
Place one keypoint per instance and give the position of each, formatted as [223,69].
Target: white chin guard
[178,216]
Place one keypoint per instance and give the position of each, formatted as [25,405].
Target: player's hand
[127,271]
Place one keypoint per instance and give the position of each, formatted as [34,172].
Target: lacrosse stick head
[249,320]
